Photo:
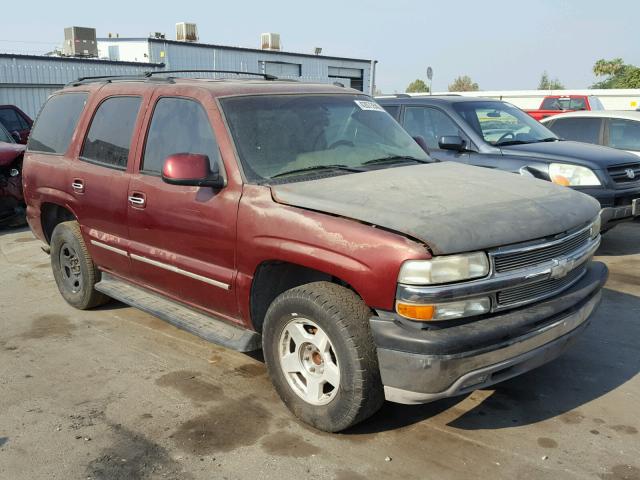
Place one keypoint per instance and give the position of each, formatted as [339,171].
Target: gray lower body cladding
[418,366]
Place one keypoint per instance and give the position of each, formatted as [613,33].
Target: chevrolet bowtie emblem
[560,268]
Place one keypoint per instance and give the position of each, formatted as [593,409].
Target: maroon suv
[303,220]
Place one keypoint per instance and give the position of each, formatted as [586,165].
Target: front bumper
[418,366]
[617,204]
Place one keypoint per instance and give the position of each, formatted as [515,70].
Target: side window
[178,125]
[56,123]
[579,129]
[392,110]
[109,138]
[624,134]
[430,124]
[11,120]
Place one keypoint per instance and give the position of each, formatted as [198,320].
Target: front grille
[517,260]
[620,173]
[538,290]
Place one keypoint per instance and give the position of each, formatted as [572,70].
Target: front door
[183,238]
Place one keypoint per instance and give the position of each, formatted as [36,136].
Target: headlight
[444,311]
[572,175]
[446,269]
[595,227]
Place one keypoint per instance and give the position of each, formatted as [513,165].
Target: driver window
[430,124]
[178,125]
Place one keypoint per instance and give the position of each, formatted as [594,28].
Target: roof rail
[266,76]
[150,76]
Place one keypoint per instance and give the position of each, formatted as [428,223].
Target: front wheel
[321,357]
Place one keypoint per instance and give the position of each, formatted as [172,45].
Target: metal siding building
[27,81]
[190,55]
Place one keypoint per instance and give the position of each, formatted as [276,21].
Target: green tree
[464,84]
[417,86]
[617,74]
[548,84]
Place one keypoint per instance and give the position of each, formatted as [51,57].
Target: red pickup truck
[555,104]
[303,219]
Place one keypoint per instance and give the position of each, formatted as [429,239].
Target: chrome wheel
[309,362]
[70,268]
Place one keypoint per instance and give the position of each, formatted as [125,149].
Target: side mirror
[16,136]
[422,142]
[452,142]
[190,169]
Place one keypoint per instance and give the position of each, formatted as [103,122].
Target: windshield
[501,123]
[5,136]
[279,134]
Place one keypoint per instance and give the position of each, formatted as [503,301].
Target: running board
[204,326]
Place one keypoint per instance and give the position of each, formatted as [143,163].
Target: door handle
[77,185]
[137,199]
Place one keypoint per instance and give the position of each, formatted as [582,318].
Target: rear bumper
[419,366]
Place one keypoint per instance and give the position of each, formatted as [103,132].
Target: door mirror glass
[191,169]
[451,142]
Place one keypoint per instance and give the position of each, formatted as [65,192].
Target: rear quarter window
[56,123]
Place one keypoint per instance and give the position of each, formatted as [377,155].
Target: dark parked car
[16,122]
[11,199]
[495,134]
[303,219]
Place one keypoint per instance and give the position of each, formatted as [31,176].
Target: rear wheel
[73,268]
[321,357]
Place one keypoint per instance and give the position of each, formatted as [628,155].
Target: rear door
[183,238]
[100,177]
[431,124]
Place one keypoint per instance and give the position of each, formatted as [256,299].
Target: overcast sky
[502,45]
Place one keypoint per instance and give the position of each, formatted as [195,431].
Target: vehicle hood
[595,157]
[9,152]
[449,206]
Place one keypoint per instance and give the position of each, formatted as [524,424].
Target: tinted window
[430,124]
[178,126]
[56,123]
[11,120]
[624,134]
[109,137]
[5,136]
[564,103]
[579,129]
[392,110]
[595,103]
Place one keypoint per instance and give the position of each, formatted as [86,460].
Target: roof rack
[266,76]
[150,76]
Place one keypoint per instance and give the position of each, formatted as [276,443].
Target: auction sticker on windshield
[367,105]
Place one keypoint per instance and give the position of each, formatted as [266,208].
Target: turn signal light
[415,312]
[560,180]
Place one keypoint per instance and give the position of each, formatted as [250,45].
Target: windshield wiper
[312,168]
[510,142]
[550,139]
[394,159]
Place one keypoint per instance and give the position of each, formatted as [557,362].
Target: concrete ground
[117,394]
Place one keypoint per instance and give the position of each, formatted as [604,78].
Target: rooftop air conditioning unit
[186,32]
[80,42]
[270,41]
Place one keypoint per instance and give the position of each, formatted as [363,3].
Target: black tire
[73,269]
[344,318]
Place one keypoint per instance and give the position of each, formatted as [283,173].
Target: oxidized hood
[9,152]
[449,206]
